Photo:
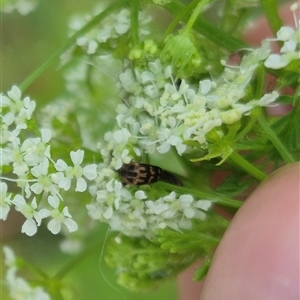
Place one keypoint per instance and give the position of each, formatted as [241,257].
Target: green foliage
[182,54]
[145,264]
[149,262]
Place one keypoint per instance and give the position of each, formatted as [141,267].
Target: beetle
[138,174]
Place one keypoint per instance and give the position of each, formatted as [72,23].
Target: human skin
[258,257]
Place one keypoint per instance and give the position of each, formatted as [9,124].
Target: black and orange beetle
[138,174]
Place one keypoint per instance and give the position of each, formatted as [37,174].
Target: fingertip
[258,257]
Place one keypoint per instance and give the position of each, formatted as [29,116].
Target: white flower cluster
[18,287]
[290,51]
[113,27]
[34,171]
[133,211]
[157,113]
[23,7]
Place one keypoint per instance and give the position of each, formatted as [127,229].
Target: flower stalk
[246,166]
[283,152]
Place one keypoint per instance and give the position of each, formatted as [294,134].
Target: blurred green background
[27,42]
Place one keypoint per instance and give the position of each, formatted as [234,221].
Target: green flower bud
[136,53]
[231,116]
[150,47]
[182,53]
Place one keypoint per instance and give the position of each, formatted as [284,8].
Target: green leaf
[202,271]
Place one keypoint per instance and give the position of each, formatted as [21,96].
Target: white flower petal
[81,185]
[66,213]
[8,118]
[276,61]
[29,227]
[65,183]
[46,135]
[203,204]
[71,225]
[44,213]
[14,93]
[285,33]
[77,157]
[54,226]
[90,171]
[163,148]
[92,47]
[19,201]
[60,165]
[53,201]
[4,210]
[205,86]
[189,212]
[108,213]
[4,101]
[36,188]
[140,195]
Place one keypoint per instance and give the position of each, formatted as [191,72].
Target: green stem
[247,128]
[71,41]
[35,269]
[183,14]
[199,8]
[248,167]
[227,201]
[285,155]
[208,30]
[260,79]
[135,21]
[270,8]
[213,197]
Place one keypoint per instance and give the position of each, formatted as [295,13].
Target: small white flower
[122,23]
[29,210]
[277,61]
[89,171]
[285,34]
[10,137]
[45,181]
[156,207]
[140,195]
[108,213]
[23,7]
[20,289]
[36,149]
[289,51]
[266,100]
[205,86]
[230,116]
[5,201]
[251,61]
[19,111]
[121,136]
[203,204]
[25,291]
[59,217]
[113,26]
